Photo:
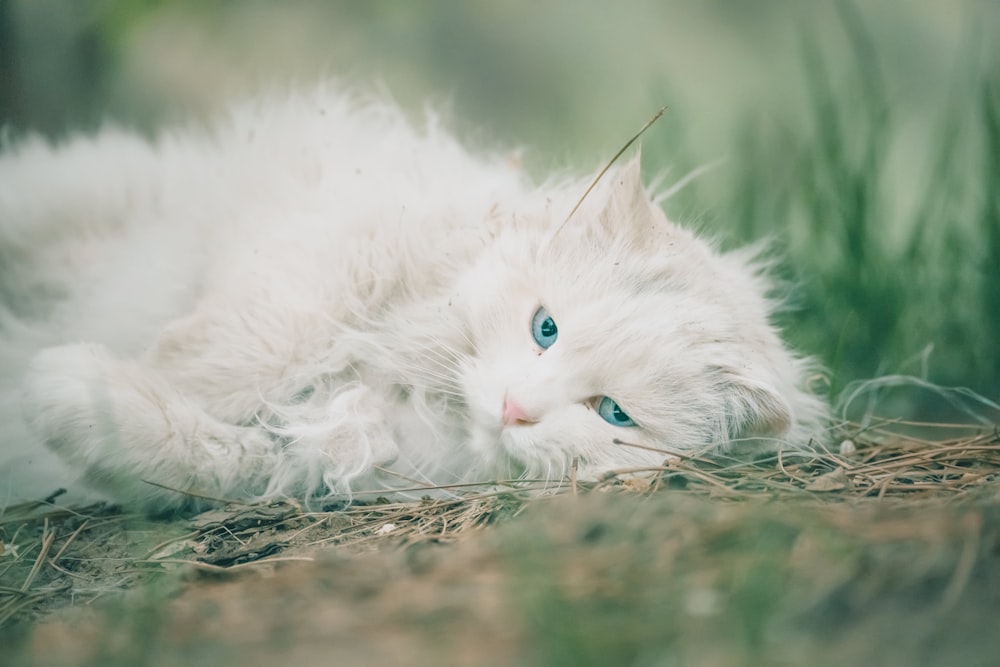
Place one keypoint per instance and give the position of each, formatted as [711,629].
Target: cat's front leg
[123,425]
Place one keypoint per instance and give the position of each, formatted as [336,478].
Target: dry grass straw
[873,461]
[57,558]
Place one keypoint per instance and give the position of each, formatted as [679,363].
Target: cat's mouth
[518,442]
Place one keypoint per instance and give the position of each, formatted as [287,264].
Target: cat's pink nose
[514,414]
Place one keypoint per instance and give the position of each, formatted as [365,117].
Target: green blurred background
[861,139]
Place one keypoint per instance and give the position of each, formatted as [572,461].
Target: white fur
[315,291]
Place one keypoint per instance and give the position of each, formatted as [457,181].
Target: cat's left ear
[754,408]
[630,211]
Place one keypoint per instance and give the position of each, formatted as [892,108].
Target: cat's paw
[66,400]
[332,440]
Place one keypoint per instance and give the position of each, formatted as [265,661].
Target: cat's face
[618,334]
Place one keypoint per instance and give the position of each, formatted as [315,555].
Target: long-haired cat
[316,298]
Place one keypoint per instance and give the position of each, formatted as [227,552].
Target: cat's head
[617,327]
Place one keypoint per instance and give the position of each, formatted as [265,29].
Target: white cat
[315,298]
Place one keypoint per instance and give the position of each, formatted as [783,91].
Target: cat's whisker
[465,336]
[439,365]
[440,378]
[458,328]
[445,380]
[438,349]
[440,362]
[433,381]
[438,390]
[430,365]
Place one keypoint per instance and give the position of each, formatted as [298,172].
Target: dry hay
[51,559]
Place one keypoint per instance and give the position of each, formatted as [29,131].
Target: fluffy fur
[315,298]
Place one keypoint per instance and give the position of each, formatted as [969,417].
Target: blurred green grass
[861,139]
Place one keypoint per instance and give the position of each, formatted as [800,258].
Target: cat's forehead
[642,344]
[610,294]
[632,326]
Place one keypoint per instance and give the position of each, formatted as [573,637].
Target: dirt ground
[691,571]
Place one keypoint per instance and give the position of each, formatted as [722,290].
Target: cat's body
[315,293]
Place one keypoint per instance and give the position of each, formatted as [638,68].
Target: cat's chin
[503,448]
[516,442]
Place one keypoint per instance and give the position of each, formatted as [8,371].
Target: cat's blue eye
[612,413]
[544,329]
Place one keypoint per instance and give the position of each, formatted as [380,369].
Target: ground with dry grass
[885,552]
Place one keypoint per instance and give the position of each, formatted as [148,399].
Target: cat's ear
[753,409]
[629,210]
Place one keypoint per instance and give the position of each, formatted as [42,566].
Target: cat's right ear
[621,213]
[630,212]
